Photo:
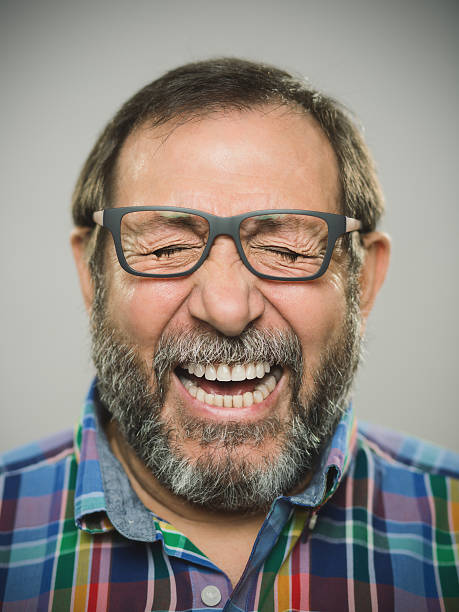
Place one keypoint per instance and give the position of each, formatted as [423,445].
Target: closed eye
[168,251]
[285,253]
[289,255]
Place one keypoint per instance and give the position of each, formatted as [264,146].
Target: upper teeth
[224,373]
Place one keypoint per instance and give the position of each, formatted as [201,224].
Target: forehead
[270,157]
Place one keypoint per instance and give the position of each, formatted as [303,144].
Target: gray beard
[222,478]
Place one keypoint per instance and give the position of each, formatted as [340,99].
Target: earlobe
[79,239]
[374,269]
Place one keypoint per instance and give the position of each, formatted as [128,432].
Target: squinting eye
[167,251]
[288,255]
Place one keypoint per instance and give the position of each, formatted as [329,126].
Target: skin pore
[226,165]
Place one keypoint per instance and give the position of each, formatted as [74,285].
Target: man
[225,239]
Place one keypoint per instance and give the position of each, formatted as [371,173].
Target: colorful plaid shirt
[376,529]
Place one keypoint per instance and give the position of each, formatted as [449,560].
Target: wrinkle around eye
[140,246]
[283,246]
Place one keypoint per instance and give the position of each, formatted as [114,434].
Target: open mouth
[236,386]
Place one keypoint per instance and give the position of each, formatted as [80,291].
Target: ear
[374,268]
[79,240]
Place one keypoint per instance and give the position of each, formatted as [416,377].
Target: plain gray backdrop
[68,66]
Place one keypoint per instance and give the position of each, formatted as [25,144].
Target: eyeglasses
[169,242]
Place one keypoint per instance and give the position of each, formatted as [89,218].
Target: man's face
[226,165]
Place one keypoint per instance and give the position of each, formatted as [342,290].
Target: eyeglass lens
[171,242]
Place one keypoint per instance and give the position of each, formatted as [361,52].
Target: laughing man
[226,244]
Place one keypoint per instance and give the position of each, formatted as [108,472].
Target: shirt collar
[104,499]
[332,465]
[90,503]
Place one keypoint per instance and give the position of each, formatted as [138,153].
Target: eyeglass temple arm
[98,217]
[353,225]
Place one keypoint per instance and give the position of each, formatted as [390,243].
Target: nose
[225,295]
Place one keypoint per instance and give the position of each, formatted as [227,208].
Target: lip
[215,413]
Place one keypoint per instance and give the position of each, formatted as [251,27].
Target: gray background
[67,66]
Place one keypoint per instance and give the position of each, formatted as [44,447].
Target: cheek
[143,308]
[315,311]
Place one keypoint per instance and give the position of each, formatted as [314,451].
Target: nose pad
[224,295]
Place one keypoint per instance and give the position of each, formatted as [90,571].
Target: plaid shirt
[376,529]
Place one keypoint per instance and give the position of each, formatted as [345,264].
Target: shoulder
[47,450]
[37,482]
[34,480]
[404,450]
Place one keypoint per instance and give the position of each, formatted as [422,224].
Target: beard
[233,471]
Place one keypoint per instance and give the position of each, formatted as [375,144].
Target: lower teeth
[260,392]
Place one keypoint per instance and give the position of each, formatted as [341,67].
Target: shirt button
[211,595]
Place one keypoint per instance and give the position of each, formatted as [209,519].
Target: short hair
[199,88]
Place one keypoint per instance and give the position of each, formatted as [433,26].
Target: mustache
[180,347]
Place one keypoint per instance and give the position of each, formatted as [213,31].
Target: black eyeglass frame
[338,225]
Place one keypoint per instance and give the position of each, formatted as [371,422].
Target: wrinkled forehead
[265,155]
